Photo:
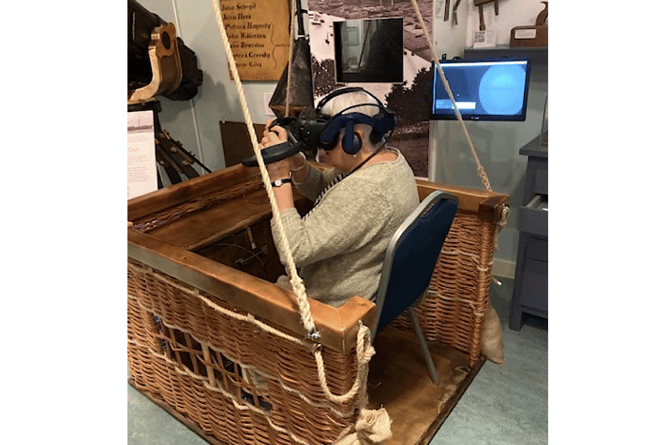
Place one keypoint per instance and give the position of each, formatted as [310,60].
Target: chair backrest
[412,255]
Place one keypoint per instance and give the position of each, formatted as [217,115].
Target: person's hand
[272,136]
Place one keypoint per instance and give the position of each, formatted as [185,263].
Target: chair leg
[423,346]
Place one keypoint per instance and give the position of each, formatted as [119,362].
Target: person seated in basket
[359,202]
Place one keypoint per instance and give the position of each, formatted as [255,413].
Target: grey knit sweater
[340,245]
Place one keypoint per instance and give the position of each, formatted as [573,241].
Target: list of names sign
[258,31]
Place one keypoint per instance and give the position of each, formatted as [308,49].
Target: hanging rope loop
[298,286]
[479,167]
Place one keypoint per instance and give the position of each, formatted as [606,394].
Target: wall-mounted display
[487,90]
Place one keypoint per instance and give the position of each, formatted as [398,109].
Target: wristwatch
[280,182]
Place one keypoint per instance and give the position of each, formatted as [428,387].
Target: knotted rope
[372,427]
[364,349]
[295,280]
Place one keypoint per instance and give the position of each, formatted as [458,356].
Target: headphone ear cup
[385,121]
[356,145]
[351,142]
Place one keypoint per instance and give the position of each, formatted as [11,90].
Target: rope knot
[372,428]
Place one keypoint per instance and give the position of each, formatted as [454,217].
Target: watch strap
[280,182]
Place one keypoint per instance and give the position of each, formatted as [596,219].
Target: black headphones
[318,130]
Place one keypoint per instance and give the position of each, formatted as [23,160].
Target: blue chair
[409,263]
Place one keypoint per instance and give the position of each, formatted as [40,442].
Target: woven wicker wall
[209,367]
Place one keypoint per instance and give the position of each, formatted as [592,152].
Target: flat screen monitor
[483,90]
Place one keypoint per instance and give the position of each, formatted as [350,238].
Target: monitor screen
[483,90]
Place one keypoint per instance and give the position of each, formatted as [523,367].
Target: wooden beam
[162,199]
[488,205]
[338,326]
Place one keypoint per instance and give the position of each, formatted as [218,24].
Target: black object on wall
[141,24]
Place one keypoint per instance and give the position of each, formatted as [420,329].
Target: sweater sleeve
[351,214]
[315,182]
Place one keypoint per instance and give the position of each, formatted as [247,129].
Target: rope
[479,166]
[364,353]
[295,280]
[364,349]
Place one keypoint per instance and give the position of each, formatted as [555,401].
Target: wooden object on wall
[236,142]
[532,35]
[480,4]
[259,37]
[455,12]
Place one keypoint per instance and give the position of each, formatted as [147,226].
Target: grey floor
[505,405]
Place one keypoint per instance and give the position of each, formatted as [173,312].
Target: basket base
[398,381]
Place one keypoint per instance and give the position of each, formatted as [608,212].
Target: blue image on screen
[501,89]
[483,90]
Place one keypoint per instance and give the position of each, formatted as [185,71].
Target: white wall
[196,123]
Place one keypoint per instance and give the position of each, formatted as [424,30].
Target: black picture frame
[379,50]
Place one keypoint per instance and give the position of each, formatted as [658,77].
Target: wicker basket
[226,350]
[205,364]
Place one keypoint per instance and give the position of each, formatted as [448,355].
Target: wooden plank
[491,208]
[153,202]
[207,226]
[338,326]
[487,205]
[200,229]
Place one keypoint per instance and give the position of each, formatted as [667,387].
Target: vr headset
[315,130]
